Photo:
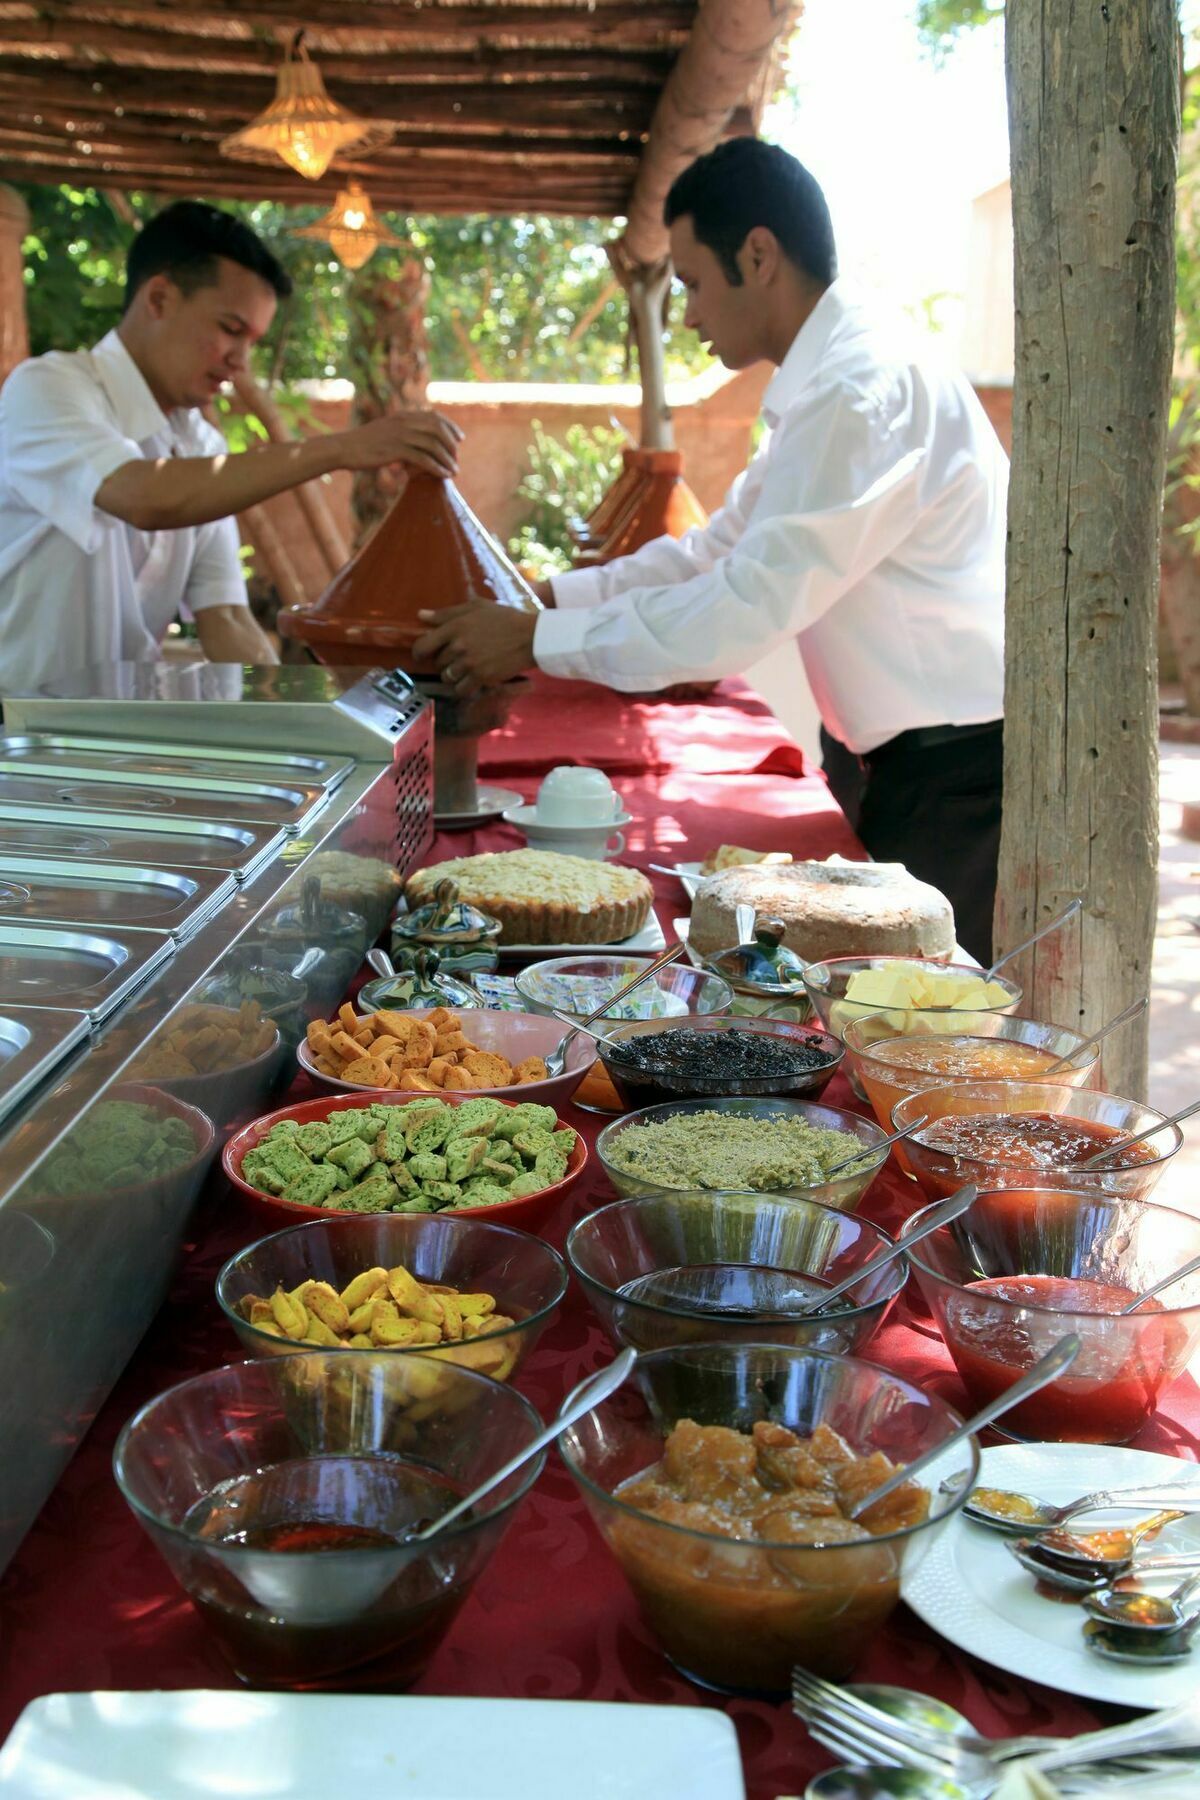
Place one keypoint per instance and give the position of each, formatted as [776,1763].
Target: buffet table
[88,1603]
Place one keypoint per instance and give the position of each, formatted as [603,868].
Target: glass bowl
[1027,1047]
[844,1191]
[642,1087]
[526,1278]
[1040,1237]
[278,1493]
[579,984]
[940,1172]
[738,1614]
[693,1268]
[826,983]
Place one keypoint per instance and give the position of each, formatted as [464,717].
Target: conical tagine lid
[428,552]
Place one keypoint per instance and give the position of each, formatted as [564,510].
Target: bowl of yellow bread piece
[436,1051]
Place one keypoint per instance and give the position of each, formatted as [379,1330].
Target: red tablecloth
[87,1603]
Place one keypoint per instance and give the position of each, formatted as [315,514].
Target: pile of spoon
[1128,1621]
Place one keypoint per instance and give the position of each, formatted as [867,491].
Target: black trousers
[935,808]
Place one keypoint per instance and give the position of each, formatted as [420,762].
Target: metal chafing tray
[87,971]
[80,891]
[229,801]
[32,1041]
[141,838]
[65,751]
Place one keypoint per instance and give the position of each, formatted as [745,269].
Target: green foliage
[567,477]
[528,299]
[940,21]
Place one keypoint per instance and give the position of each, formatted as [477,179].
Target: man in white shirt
[117,496]
[870,527]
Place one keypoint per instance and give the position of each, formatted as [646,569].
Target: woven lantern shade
[351,227]
[302,125]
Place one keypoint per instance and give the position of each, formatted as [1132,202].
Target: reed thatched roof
[502,105]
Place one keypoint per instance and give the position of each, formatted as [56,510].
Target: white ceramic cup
[570,796]
[595,842]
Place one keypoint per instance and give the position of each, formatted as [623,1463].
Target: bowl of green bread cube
[406,1154]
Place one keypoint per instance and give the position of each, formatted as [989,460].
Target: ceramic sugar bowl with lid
[464,939]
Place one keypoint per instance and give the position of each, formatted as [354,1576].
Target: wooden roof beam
[719,66]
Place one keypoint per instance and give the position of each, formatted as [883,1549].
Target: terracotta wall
[713,426]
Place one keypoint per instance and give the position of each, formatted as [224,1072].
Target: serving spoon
[1188,1268]
[1094,1162]
[1122,1018]
[1119,1644]
[1068,912]
[873,1149]
[1002,1509]
[1110,1547]
[556,1061]
[1086,1578]
[1139,1611]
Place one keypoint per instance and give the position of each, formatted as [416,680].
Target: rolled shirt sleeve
[215,577]
[838,492]
[60,448]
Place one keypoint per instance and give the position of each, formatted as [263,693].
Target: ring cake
[541,897]
[828,909]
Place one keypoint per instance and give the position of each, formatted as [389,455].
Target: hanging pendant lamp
[302,125]
[352,228]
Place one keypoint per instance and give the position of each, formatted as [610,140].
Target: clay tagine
[427,553]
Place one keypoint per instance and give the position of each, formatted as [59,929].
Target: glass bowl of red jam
[897,1054]
[281,1493]
[691,1268]
[721,1477]
[1024,1266]
[650,1061]
[1014,1133]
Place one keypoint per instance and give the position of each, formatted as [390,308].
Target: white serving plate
[209,1744]
[979,1598]
[649,938]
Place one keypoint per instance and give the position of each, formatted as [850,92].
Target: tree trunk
[1094,123]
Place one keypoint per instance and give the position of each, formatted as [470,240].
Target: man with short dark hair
[117,497]
[869,527]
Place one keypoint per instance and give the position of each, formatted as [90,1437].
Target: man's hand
[478,645]
[231,634]
[426,440]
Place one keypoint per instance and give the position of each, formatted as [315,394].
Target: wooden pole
[1094,125]
[14,325]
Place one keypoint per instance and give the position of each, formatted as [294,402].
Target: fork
[837,1721]
[814,1697]
[556,1060]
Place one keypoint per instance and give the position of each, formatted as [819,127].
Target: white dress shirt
[78,586]
[869,526]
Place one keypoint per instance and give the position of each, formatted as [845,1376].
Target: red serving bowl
[529,1212]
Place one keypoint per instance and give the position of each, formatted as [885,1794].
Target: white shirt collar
[807,349]
[137,410]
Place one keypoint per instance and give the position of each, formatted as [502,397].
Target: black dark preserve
[740,1055]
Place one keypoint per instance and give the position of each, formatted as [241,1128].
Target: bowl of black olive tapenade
[700,1057]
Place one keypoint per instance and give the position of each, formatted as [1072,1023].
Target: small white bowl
[515,1035]
[596,842]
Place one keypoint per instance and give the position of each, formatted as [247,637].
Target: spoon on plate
[1068,912]
[1045,1370]
[1003,1510]
[1139,1611]
[1118,1644]
[1086,1578]
[1068,1061]
[1110,1547]
[1094,1162]
[581,1399]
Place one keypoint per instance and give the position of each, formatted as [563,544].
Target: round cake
[828,909]
[541,897]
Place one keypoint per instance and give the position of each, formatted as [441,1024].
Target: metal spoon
[1047,1369]
[580,1400]
[872,1149]
[557,1058]
[1139,1611]
[1093,1162]
[1020,1514]
[1085,1578]
[1189,1268]
[1119,1644]
[941,1215]
[381,962]
[880,1783]
[1122,1018]
[1068,912]
[1107,1548]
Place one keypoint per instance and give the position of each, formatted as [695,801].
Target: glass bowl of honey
[897,1054]
[1023,1133]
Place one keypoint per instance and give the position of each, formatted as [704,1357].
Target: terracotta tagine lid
[659,503]
[592,531]
[428,552]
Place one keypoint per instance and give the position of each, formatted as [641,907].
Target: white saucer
[525,818]
[490,802]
